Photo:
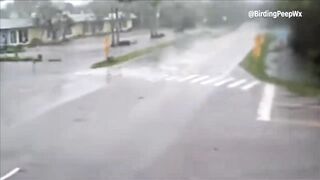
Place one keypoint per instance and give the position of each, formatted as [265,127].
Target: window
[23,35]
[13,37]
[3,38]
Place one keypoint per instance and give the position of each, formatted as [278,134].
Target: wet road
[187,113]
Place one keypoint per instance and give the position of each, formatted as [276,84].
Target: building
[17,31]
[87,24]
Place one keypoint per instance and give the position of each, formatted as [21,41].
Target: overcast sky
[74,2]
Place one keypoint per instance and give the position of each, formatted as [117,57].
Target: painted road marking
[265,106]
[11,173]
[237,83]
[212,80]
[188,78]
[224,81]
[250,85]
[199,79]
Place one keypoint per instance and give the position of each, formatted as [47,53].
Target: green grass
[131,55]
[257,67]
[18,59]
[12,49]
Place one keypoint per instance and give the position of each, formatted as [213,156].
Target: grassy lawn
[131,55]
[12,49]
[257,67]
[18,59]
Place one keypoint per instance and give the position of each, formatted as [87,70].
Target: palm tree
[154,12]
[55,22]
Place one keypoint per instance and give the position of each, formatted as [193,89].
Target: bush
[35,42]
[11,49]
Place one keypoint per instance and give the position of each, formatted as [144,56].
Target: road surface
[189,112]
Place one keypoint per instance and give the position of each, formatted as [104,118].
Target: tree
[46,15]
[55,22]
[25,7]
[4,13]
[69,7]
[103,9]
[305,38]
[65,23]
[149,10]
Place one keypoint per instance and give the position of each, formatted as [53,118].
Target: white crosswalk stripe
[212,80]
[224,81]
[237,83]
[250,85]
[199,79]
[188,78]
[220,80]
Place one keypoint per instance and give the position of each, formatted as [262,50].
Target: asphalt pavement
[186,113]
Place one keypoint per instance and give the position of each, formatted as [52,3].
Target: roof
[82,17]
[15,23]
[121,15]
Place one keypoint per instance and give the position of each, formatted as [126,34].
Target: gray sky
[4,3]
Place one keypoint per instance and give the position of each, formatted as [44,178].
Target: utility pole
[112,24]
[117,25]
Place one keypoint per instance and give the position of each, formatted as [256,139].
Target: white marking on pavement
[199,79]
[237,83]
[224,81]
[265,106]
[250,85]
[212,80]
[188,78]
[11,173]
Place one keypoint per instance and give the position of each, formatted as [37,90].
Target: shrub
[35,42]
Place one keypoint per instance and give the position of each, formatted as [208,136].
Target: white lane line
[250,85]
[199,79]
[237,83]
[224,81]
[212,80]
[265,106]
[11,173]
[188,78]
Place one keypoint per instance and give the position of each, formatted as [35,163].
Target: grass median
[19,59]
[257,67]
[131,55]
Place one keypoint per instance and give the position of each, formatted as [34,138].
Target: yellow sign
[107,46]
[259,40]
